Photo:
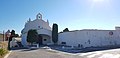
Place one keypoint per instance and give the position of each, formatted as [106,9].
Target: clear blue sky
[73,14]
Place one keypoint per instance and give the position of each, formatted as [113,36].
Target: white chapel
[84,38]
[42,27]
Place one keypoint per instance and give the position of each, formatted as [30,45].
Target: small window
[63,43]
[110,33]
[89,41]
[38,26]
[45,39]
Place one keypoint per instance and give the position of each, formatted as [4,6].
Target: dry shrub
[3,49]
[3,52]
[4,45]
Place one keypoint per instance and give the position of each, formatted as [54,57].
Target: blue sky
[72,14]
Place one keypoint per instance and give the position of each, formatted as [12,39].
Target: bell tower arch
[39,16]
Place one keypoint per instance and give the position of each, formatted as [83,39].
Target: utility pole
[8,36]
[3,36]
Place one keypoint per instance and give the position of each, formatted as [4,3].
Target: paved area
[49,53]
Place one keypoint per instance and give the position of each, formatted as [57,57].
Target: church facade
[42,27]
[79,38]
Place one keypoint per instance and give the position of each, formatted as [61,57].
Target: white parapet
[117,28]
[45,31]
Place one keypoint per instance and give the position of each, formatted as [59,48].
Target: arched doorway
[44,39]
[40,40]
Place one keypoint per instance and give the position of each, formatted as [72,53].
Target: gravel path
[48,53]
[39,53]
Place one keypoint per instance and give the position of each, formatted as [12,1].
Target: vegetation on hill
[66,30]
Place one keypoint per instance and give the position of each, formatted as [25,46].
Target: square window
[63,42]
[38,26]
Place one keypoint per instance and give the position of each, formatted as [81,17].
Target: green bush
[32,36]
[3,52]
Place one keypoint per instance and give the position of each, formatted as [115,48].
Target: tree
[13,32]
[16,35]
[12,35]
[55,33]
[32,36]
[7,34]
[66,30]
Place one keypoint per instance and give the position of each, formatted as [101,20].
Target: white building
[84,38]
[42,27]
[90,38]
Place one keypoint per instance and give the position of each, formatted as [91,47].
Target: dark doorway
[40,40]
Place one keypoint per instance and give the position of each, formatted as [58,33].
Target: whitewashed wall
[24,40]
[48,39]
[36,24]
[89,38]
[45,31]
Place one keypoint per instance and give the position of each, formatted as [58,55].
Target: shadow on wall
[70,49]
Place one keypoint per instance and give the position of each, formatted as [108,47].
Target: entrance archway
[40,40]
